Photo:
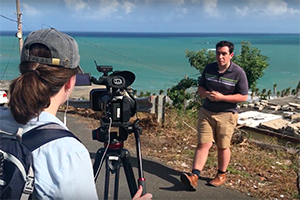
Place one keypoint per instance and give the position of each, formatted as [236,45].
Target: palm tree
[269,94]
[288,91]
[274,89]
[141,94]
[252,92]
[278,94]
[298,89]
[258,94]
[282,93]
[256,91]
[263,93]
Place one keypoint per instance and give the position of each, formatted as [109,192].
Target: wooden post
[19,34]
[158,107]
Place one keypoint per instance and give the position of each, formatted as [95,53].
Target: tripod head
[114,139]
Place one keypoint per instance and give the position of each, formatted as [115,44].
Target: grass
[259,172]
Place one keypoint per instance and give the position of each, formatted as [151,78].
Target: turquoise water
[159,62]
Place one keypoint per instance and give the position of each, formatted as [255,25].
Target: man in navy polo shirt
[223,84]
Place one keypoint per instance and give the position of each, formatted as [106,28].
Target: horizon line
[160,32]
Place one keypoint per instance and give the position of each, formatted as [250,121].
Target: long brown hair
[30,93]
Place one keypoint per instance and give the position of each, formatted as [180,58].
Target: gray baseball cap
[64,49]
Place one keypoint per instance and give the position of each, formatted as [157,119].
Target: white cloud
[294,11]
[180,2]
[210,8]
[103,9]
[242,12]
[270,8]
[107,7]
[29,10]
[275,7]
[170,10]
[128,7]
[75,4]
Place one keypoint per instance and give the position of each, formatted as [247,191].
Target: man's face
[223,56]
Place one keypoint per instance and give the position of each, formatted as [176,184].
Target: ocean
[158,59]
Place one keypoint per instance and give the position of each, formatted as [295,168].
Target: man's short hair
[224,43]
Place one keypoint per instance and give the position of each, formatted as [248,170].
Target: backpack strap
[13,159]
[29,185]
[34,139]
[43,134]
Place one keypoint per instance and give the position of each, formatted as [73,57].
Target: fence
[158,107]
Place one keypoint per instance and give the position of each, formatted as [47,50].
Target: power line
[14,21]
[8,18]
[8,59]
[126,57]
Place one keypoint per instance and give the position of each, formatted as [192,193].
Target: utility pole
[19,34]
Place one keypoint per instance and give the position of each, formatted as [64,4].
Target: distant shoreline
[4,85]
[83,92]
[150,34]
[78,92]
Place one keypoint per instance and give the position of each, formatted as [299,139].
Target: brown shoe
[218,180]
[189,180]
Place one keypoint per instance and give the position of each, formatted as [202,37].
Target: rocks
[286,107]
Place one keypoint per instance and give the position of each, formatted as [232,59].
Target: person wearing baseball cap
[49,63]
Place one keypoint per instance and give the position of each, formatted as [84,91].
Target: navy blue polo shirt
[232,81]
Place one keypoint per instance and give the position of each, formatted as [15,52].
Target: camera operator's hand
[138,194]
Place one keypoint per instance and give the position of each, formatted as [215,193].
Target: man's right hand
[138,194]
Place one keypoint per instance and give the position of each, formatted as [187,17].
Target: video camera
[115,101]
[118,106]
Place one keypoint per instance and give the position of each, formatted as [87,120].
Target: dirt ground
[260,174]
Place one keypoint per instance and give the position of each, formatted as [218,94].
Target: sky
[190,16]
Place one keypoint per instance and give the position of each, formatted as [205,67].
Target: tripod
[114,157]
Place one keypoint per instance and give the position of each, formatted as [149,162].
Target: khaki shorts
[216,127]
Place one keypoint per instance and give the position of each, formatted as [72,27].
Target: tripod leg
[98,162]
[113,163]
[141,179]
[125,157]
[106,184]
[116,191]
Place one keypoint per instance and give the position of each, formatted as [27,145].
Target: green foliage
[147,94]
[274,88]
[141,94]
[278,94]
[269,94]
[298,89]
[253,63]
[178,92]
[200,59]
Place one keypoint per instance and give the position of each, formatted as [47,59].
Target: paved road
[162,181]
